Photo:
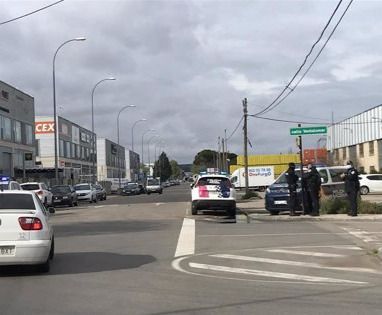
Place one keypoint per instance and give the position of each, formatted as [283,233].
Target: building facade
[359,139]
[132,165]
[17,151]
[75,149]
[110,160]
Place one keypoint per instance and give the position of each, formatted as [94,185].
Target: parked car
[131,189]
[370,183]
[7,184]
[86,192]
[213,191]
[41,190]
[277,194]
[64,195]
[142,189]
[153,185]
[101,192]
[26,236]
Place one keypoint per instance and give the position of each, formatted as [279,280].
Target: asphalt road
[148,255]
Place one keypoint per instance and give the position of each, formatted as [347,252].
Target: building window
[361,149]
[17,131]
[62,152]
[73,151]
[372,169]
[337,157]
[5,94]
[371,148]
[28,134]
[37,143]
[67,150]
[6,130]
[344,153]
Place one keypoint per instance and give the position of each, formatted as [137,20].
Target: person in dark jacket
[352,187]
[313,184]
[292,180]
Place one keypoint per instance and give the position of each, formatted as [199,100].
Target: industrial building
[17,113]
[110,160]
[132,165]
[75,150]
[359,139]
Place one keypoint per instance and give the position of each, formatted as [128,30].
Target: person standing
[313,180]
[352,188]
[292,180]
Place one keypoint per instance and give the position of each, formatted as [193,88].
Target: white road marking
[293,263]
[270,274]
[159,203]
[99,206]
[186,241]
[362,235]
[297,252]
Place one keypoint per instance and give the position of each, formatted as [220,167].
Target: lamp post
[143,134]
[93,136]
[118,161]
[148,150]
[132,132]
[55,106]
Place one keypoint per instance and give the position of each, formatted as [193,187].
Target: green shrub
[341,206]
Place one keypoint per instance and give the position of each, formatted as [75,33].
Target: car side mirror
[51,210]
[192,185]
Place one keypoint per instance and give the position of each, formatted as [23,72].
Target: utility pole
[223,155]
[245,129]
[219,157]
[226,151]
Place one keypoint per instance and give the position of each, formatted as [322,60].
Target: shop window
[372,169]
[371,148]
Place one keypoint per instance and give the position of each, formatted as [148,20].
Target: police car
[213,191]
[7,184]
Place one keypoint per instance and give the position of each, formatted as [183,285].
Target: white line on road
[297,252]
[293,263]
[270,274]
[99,206]
[186,241]
[362,235]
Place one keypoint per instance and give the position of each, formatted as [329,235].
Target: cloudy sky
[187,65]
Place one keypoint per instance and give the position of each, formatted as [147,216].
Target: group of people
[311,185]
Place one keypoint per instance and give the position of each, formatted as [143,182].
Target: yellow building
[279,161]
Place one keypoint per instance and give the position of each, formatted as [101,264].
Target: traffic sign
[308,131]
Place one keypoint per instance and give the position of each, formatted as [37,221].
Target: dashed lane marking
[294,263]
[362,235]
[270,274]
[297,252]
[186,240]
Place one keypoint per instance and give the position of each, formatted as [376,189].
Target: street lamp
[118,161]
[93,136]
[54,104]
[132,132]
[148,150]
[143,134]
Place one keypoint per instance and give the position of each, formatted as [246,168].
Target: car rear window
[17,201]
[60,189]
[213,181]
[82,187]
[30,187]
[152,182]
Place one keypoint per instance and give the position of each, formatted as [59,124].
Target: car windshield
[82,187]
[60,189]
[4,187]
[282,178]
[30,186]
[17,201]
[152,182]
[213,181]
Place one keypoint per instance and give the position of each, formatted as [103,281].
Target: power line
[311,65]
[233,132]
[269,107]
[30,13]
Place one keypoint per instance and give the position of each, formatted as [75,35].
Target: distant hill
[185,167]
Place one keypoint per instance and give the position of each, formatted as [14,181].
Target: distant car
[86,192]
[64,195]
[142,189]
[41,190]
[166,184]
[7,184]
[153,185]
[213,191]
[101,192]
[131,189]
[370,183]
[26,236]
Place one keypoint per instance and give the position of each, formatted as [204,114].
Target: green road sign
[308,131]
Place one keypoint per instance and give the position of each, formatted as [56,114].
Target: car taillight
[40,192]
[203,191]
[30,224]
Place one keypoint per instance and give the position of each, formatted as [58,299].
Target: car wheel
[71,203]
[76,203]
[95,200]
[45,202]
[45,267]
[232,211]
[51,253]
[274,212]
[194,209]
[364,190]
[148,193]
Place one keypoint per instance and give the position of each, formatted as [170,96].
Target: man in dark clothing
[292,179]
[313,183]
[352,187]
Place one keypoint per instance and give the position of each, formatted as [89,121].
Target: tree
[176,172]
[162,167]
[207,159]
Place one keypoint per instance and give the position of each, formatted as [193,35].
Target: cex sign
[44,127]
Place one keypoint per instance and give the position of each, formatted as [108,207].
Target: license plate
[7,250]
[280,202]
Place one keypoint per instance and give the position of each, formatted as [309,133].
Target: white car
[370,183]
[26,236]
[41,190]
[86,192]
[213,191]
[7,184]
